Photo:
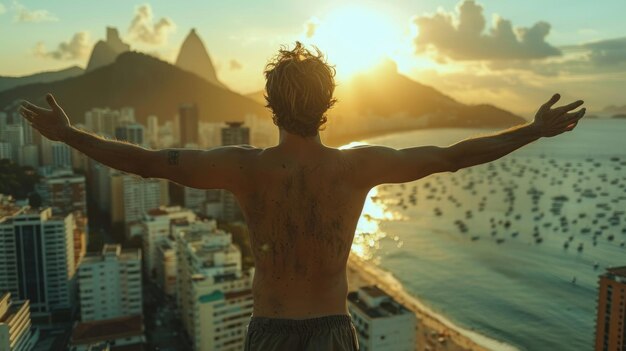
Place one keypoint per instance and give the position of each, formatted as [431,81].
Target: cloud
[144,30]
[235,65]
[595,58]
[23,14]
[310,27]
[464,38]
[76,48]
[607,52]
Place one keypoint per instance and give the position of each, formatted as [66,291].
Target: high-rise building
[234,134]
[28,131]
[132,196]
[152,131]
[611,316]
[380,321]
[214,293]
[127,115]
[64,192]
[103,121]
[37,258]
[5,150]
[15,325]
[4,121]
[194,198]
[14,135]
[188,128]
[132,133]
[61,155]
[110,284]
[157,224]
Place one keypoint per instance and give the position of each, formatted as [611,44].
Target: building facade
[16,332]
[37,258]
[214,293]
[110,284]
[188,127]
[611,316]
[132,196]
[157,227]
[380,321]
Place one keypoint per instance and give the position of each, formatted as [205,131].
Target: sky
[513,54]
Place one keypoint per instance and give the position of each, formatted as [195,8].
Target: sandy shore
[434,333]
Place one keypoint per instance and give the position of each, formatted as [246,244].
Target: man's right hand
[51,123]
[554,121]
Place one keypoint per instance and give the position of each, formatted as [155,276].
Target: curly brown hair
[299,89]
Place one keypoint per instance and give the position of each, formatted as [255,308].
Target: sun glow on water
[368,233]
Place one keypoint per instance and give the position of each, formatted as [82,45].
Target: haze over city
[475,52]
[169,168]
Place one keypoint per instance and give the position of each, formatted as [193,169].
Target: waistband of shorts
[280,325]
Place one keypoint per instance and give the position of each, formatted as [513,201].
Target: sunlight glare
[356,39]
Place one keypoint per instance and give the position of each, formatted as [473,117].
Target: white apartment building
[214,294]
[156,228]
[132,196]
[110,284]
[381,322]
[37,257]
[15,325]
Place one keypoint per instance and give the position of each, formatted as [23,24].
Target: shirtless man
[301,199]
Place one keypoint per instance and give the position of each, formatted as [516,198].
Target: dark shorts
[332,333]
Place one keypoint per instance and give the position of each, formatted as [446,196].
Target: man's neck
[293,140]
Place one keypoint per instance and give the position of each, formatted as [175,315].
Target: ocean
[510,249]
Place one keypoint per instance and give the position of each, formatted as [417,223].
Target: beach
[510,250]
[434,332]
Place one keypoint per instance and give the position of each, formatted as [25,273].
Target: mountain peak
[106,51]
[194,57]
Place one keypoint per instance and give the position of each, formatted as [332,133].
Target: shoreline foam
[463,338]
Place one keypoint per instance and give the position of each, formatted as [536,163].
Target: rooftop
[621,271]
[112,250]
[373,291]
[617,274]
[385,305]
[110,329]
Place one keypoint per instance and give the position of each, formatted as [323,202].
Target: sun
[355,38]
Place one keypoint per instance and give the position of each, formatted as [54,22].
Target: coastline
[431,326]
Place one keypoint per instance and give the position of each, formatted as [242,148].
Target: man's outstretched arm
[379,165]
[217,168]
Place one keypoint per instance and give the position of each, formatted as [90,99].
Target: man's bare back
[301,215]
